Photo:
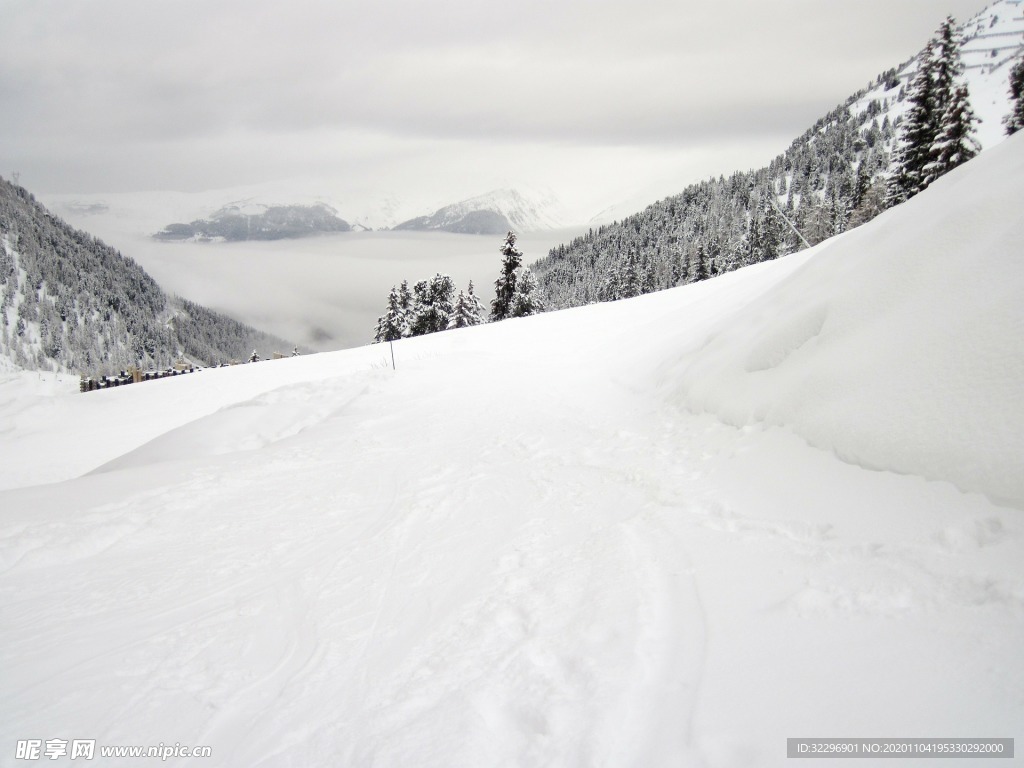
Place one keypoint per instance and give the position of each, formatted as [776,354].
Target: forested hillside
[71,303]
[831,179]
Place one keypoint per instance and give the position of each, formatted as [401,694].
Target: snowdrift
[642,533]
[897,345]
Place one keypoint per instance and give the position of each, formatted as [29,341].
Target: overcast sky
[579,95]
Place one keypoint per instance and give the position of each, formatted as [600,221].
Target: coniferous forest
[71,303]
[845,170]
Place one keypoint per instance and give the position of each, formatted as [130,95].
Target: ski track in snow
[380,626]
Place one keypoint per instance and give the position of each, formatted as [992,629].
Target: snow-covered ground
[674,530]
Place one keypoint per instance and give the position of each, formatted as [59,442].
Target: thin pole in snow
[391,344]
[786,219]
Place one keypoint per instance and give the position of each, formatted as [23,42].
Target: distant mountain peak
[494,213]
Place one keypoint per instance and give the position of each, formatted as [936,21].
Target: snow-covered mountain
[149,213]
[254,221]
[495,213]
[72,303]
[993,41]
[319,204]
[786,501]
[831,178]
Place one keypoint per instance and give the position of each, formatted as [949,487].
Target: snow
[526,210]
[673,530]
[807,355]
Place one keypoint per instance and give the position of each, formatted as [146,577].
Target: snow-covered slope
[495,213]
[939,275]
[673,530]
[993,41]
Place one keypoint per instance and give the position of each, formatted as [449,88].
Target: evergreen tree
[505,285]
[872,203]
[526,300]
[442,296]
[405,298]
[628,281]
[702,265]
[393,324]
[861,185]
[765,234]
[433,304]
[419,312]
[955,143]
[469,310]
[947,68]
[938,129]
[1015,120]
[917,133]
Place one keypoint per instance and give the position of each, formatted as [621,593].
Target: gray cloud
[159,86]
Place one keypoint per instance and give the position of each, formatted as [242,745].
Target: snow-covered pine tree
[702,272]
[433,304]
[956,143]
[405,297]
[947,67]
[629,278]
[766,235]
[872,203]
[442,295]
[505,285]
[469,310]
[917,133]
[527,300]
[419,312]
[861,184]
[937,130]
[1015,120]
[393,324]
[477,306]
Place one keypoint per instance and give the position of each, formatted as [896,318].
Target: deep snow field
[669,531]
